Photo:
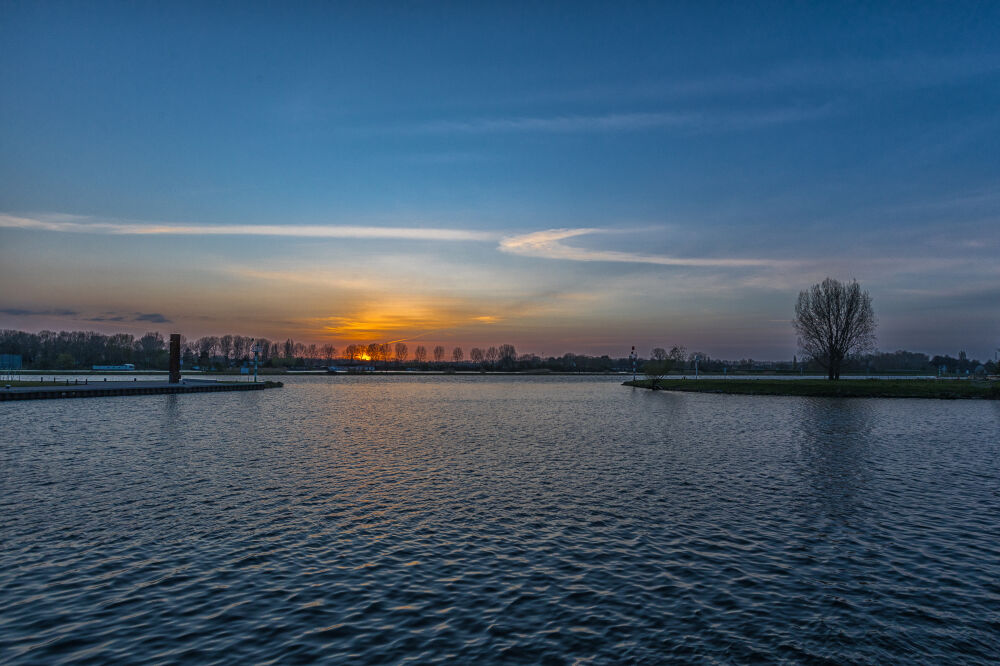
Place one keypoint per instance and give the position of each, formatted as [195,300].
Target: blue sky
[567,178]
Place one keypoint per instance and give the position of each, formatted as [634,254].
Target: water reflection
[834,455]
[374,519]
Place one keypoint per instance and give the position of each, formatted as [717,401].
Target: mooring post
[175,358]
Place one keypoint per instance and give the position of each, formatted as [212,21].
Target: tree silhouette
[401,352]
[834,320]
[492,356]
[476,355]
[507,356]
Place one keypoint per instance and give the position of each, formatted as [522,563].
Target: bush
[656,370]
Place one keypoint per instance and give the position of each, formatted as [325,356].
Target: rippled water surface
[560,519]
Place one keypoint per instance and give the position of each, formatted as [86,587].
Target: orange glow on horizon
[401,319]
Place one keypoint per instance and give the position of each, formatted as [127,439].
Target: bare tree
[373,351]
[226,347]
[457,355]
[420,354]
[207,346]
[401,352]
[834,320]
[678,355]
[329,351]
[151,345]
[438,354]
[660,354]
[476,355]
[240,345]
[507,355]
[492,356]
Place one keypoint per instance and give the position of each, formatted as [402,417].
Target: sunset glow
[652,191]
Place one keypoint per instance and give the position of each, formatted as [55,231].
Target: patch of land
[947,389]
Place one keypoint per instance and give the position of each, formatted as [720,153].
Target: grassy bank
[844,388]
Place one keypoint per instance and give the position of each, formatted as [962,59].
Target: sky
[562,177]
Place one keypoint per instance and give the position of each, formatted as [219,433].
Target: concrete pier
[105,389]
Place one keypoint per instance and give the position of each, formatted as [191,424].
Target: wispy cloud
[624,122]
[60,224]
[886,75]
[548,245]
[24,312]
[154,317]
[151,317]
[106,317]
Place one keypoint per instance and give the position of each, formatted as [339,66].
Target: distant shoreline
[947,389]
[319,371]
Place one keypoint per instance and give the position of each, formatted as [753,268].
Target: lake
[379,519]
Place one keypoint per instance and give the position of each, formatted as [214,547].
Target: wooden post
[175,358]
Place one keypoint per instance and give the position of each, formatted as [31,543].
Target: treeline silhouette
[67,350]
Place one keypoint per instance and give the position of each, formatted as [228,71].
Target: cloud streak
[286,231]
[548,245]
[154,317]
[23,312]
[623,122]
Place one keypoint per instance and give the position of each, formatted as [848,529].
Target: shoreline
[110,389]
[946,389]
[319,371]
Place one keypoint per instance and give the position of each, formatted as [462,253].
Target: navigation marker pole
[632,358]
[256,353]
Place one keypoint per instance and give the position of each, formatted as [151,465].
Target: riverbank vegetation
[78,351]
[948,389]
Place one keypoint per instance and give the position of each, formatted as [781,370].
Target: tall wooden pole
[175,358]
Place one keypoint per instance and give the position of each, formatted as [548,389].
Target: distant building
[10,361]
[123,366]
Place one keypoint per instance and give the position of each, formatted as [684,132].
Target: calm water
[556,520]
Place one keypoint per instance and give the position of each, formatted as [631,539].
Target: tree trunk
[834,366]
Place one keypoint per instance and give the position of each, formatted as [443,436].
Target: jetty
[104,389]
[173,385]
